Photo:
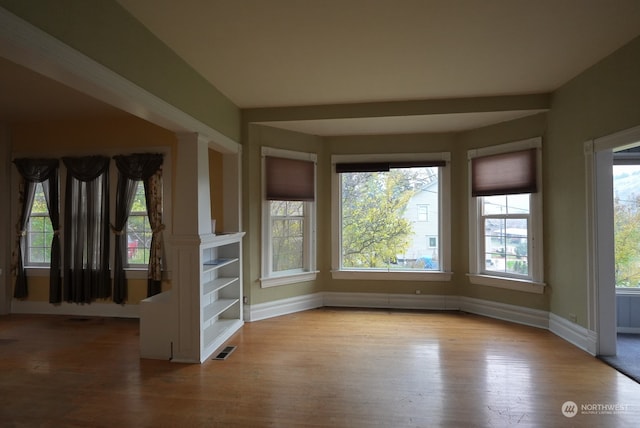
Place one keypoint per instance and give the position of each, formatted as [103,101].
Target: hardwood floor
[324,368]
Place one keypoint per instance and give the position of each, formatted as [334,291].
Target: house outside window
[385,206]
[288,217]
[505,216]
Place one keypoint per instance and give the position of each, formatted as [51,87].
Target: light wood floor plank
[320,368]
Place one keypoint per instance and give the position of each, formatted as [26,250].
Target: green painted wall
[602,100]
[107,33]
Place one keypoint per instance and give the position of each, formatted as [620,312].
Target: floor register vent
[224,354]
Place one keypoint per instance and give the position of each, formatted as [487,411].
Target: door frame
[602,313]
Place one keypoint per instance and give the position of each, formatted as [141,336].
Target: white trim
[31,47]
[508,283]
[503,311]
[620,140]
[289,154]
[287,306]
[93,309]
[396,275]
[536,266]
[292,278]
[444,223]
[530,143]
[269,278]
[511,313]
[575,334]
[395,157]
[391,301]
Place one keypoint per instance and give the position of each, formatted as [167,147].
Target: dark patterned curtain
[131,170]
[86,225]
[35,171]
[153,195]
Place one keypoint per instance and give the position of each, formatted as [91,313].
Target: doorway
[601,154]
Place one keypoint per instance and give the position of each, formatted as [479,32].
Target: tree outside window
[287,235]
[376,231]
[627,225]
[39,231]
[139,232]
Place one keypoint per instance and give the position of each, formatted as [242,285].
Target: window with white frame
[139,232]
[505,216]
[382,225]
[288,219]
[423,212]
[39,231]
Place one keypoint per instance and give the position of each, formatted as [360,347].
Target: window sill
[396,275]
[136,273]
[131,273]
[293,278]
[37,271]
[507,283]
[628,291]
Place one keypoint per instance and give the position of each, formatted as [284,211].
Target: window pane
[506,204]
[39,231]
[388,218]
[626,217]
[506,246]
[518,204]
[138,230]
[287,235]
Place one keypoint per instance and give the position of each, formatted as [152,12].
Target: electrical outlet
[573,318]
[418,292]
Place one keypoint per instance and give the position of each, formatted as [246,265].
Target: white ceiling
[315,52]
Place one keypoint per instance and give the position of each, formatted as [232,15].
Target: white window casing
[534,282]
[308,272]
[444,273]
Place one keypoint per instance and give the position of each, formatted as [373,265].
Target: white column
[191,222]
[192,201]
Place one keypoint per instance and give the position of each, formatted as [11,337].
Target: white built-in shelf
[217,284]
[210,265]
[217,307]
[220,290]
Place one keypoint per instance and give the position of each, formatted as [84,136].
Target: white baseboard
[573,333]
[276,308]
[516,314]
[73,309]
[506,312]
[391,301]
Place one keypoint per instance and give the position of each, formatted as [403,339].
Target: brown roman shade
[289,179]
[504,174]
[386,166]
